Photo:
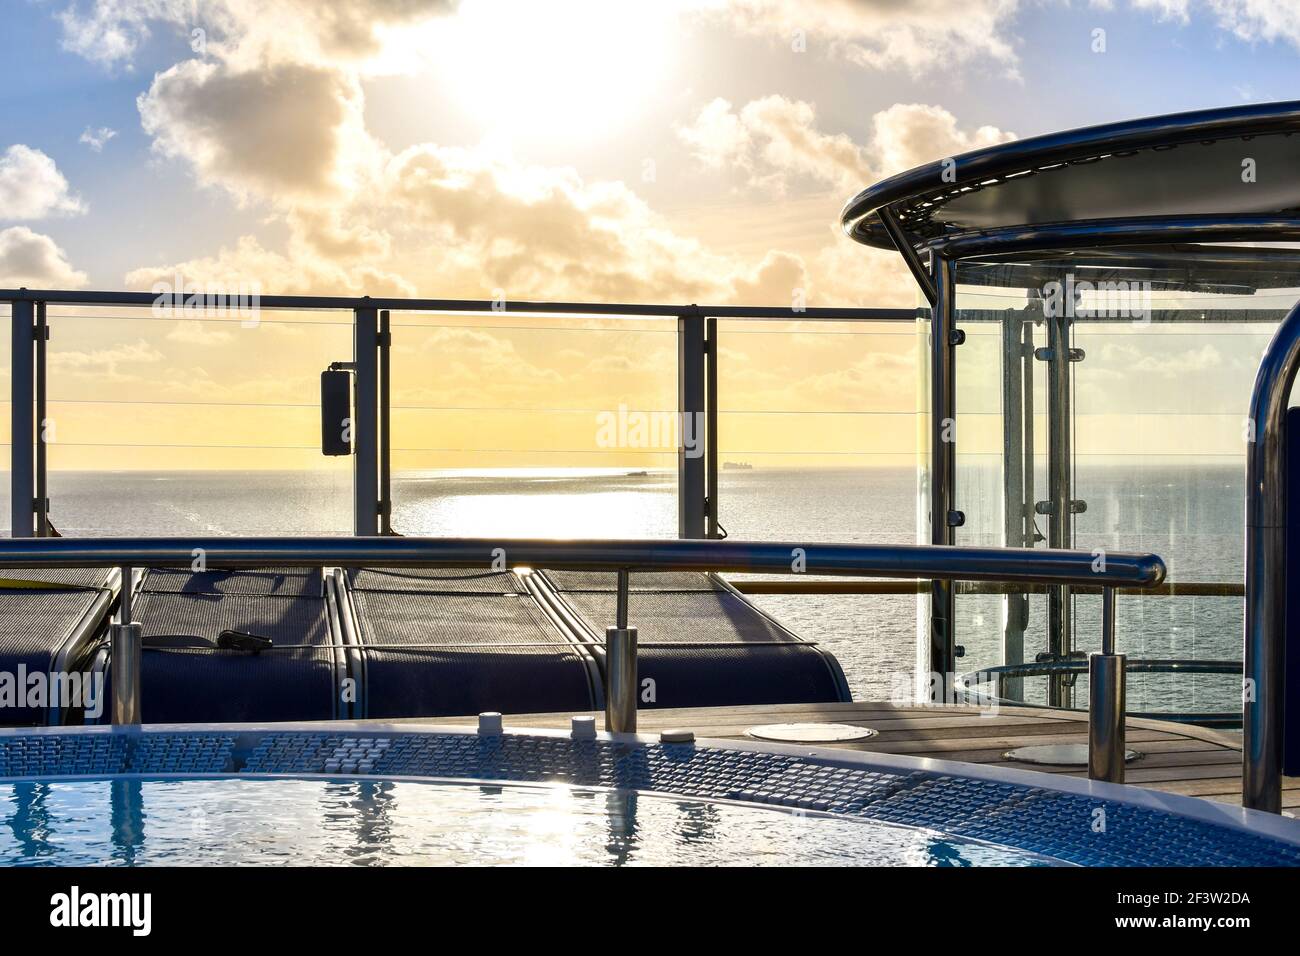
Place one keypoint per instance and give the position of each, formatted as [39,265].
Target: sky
[669,151]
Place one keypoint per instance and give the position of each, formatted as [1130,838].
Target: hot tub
[352,793]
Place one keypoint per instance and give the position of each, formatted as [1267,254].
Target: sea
[1188,512]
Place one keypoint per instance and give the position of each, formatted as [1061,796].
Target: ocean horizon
[1189,514]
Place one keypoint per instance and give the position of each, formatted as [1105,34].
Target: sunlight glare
[572,67]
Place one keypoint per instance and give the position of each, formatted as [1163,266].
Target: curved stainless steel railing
[949,563]
[1265,631]
[938,563]
[999,674]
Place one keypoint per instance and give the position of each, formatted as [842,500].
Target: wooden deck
[1175,758]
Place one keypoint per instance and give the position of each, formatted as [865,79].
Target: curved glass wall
[1101,405]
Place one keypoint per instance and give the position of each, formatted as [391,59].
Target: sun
[577,69]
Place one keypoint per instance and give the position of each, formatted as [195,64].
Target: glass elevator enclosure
[1100,403]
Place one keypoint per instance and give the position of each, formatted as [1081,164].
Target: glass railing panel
[818,422]
[1156,397]
[205,424]
[1160,415]
[534,426]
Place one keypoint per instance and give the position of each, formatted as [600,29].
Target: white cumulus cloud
[30,259]
[31,186]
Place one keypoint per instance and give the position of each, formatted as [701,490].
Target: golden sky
[673,151]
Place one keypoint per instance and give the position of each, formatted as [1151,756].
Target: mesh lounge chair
[458,642]
[700,641]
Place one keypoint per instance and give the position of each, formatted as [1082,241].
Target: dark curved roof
[1160,179]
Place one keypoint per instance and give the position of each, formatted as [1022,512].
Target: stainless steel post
[1106,701]
[42,498]
[385,340]
[943,463]
[22,436]
[1059,534]
[711,430]
[365,424]
[1106,706]
[691,464]
[620,666]
[1265,630]
[1014,510]
[125,596]
[126,639]
[620,694]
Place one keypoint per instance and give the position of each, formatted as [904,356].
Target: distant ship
[737,466]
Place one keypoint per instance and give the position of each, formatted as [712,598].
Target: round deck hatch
[1059,755]
[811,733]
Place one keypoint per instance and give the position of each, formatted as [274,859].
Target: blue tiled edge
[1077,821]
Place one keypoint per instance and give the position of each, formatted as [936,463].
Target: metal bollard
[1106,702]
[620,667]
[620,690]
[126,641]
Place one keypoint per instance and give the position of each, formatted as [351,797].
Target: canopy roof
[1178,178]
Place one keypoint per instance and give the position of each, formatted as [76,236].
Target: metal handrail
[940,563]
[400,304]
[931,562]
[1167,589]
[1175,665]
[1265,628]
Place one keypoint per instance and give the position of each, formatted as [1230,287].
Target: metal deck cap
[489,723]
[811,733]
[1058,755]
[583,728]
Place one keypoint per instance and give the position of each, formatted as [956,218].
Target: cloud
[96,138]
[718,136]
[533,230]
[775,142]
[302,31]
[273,114]
[850,274]
[112,30]
[106,360]
[31,186]
[909,134]
[1167,9]
[194,333]
[283,131]
[249,262]
[30,259]
[1254,20]
[883,34]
